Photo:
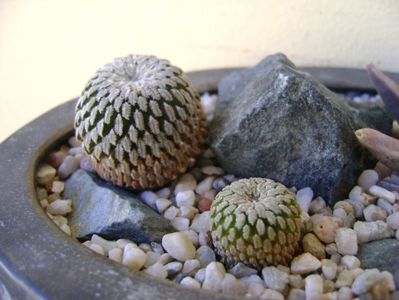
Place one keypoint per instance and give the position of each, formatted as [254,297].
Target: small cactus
[140,121]
[255,221]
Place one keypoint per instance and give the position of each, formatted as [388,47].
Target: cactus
[140,121]
[255,221]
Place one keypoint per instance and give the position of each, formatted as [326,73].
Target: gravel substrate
[327,268]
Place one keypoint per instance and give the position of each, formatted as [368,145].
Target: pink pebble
[204,204]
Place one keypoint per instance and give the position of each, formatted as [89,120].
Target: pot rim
[39,261]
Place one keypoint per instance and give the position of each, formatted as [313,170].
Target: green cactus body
[140,121]
[255,221]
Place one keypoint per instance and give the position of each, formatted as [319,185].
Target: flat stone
[380,254]
[111,212]
[241,270]
[264,126]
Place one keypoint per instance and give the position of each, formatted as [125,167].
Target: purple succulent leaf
[387,89]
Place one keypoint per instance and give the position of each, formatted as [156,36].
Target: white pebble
[157,270]
[296,294]
[187,212]
[329,269]
[205,255]
[370,231]
[45,173]
[373,213]
[275,279]
[367,179]
[205,185]
[68,166]
[200,275]
[387,278]
[232,286]
[203,239]
[201,222]
[106,245]
[44,203]
[173,268]
[214,275]
[152,258]
[162,204]
[192,235]
[271,294]
[57,186]
[186,198]
[165,258]
[365,281]
[190,283]
[123,242]
[345,278]
[305,263]
[190,266]
[356,194]
[180,224]
[186,182]
[304,197]
[149,198]
[134,258]
[115,254]
[313,286]
[296,281]
[255,290]
[163,193]
[378,191]
[60,220]
[97,248]
[60,207]
[178,246]
[212,170]
[317,205]
[350,261]
[346,240]
[66,229]
[344,293]
[393,221]
[171,213]
[385,205]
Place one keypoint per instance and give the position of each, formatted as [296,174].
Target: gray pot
[38,261]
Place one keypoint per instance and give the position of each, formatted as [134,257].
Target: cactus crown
[140,121]
[255,221]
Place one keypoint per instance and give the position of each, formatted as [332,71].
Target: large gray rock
[274,121]
[100,208]
[381,254]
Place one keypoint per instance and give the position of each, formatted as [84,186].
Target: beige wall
[48,49]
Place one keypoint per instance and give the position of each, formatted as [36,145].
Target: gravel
[304,264]
[179,246]
[327,268]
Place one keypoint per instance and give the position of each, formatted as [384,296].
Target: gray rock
[111,212]
[274,121]
[373,114]
[380,254]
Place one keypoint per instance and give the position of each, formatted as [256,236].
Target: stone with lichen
[140,121]
[255,221]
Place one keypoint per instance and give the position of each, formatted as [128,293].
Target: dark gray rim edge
[38,261]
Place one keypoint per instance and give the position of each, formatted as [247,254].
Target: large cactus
[255,221]
[140,120]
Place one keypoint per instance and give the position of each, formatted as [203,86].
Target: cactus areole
[255,221]
[140,121]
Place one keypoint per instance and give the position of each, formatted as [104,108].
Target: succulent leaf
[255,221]
[136,118]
